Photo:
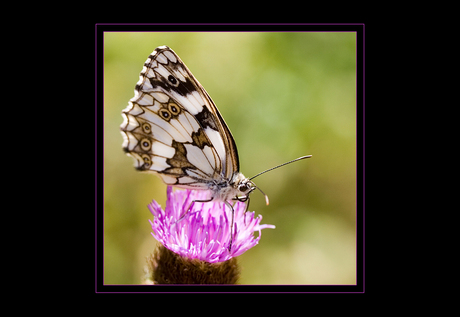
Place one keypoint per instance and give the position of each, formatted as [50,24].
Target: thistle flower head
[205,231]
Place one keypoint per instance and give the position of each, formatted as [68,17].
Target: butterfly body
[172,128]
[226,189]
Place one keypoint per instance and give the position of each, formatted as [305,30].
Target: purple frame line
[363,146]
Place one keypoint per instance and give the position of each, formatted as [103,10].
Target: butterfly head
[245,186]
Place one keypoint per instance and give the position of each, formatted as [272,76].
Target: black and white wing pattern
[173,128]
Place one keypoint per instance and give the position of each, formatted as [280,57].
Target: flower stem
[167,267]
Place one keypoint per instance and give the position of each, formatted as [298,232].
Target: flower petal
[202,230]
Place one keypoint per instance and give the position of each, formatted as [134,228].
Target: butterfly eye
[145,144]
[173,108]
[243,188]
[173,80]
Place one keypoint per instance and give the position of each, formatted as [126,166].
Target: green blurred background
[283,95]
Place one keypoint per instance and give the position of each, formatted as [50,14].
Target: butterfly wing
[172,127]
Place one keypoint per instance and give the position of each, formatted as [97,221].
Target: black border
[359,28]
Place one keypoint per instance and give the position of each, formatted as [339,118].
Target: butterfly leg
[247,207]
[231,228]
[191,204]
[244,199]
[200,201]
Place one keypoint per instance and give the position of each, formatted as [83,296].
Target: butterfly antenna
[266,197]
[270,169]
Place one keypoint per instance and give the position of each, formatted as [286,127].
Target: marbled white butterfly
[173,128]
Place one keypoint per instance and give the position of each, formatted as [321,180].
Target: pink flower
[204,233]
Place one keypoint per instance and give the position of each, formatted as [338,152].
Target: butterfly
[172,127]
